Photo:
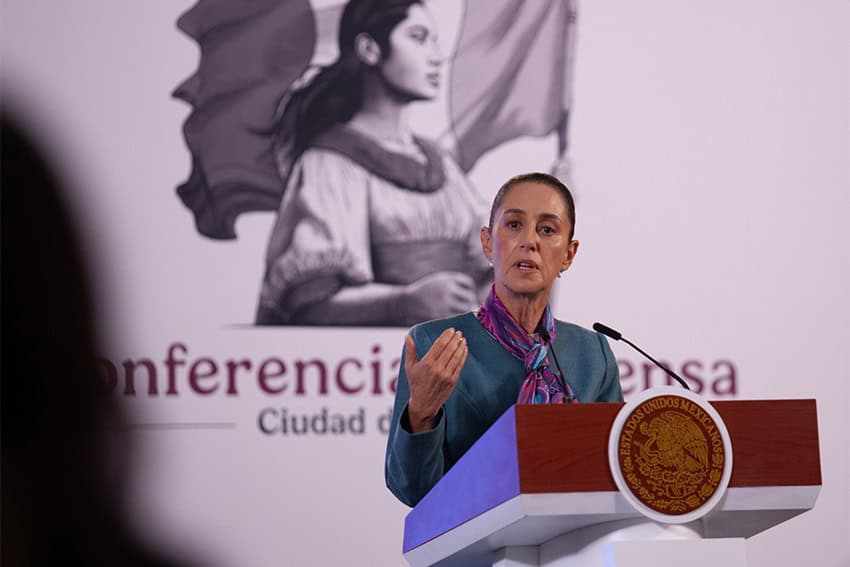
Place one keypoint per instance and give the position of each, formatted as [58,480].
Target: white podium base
[727,552]
[629,543]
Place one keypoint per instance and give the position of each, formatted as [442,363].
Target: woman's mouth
[526,265]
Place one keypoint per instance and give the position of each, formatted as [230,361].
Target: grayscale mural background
[243,253]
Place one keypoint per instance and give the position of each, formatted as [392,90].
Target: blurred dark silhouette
[63,461]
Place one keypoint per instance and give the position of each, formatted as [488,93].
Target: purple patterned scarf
[541,385]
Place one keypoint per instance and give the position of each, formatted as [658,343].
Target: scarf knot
[541,385]
[535,357]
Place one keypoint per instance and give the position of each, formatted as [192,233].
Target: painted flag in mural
[511,75]
[251,52]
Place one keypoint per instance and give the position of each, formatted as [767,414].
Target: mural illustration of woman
[376,225]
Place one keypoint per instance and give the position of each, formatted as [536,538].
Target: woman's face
[529,242]
[412,68]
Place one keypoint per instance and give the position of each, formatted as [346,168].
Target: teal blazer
[488,385]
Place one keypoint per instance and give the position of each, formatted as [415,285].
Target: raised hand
[432,377]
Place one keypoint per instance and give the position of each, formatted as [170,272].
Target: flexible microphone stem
[547,338]
[617,336]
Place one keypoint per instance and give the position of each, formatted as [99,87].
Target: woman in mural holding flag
[377,226]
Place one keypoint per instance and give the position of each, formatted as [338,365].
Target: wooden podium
[536,489]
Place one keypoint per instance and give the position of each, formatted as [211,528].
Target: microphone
[617,336]
[547,338]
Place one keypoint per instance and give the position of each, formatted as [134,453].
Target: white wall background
[712,151]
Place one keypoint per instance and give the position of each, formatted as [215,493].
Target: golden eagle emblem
[671,454]
[674,441]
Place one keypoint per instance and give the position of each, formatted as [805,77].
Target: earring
[491,261]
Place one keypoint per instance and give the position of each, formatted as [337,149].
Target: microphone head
[607,331]
[544,334]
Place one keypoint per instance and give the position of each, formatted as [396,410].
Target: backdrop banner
[258,259]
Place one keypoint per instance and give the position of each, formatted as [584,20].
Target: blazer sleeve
[414,461]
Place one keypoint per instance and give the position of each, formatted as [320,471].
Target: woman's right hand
[438,295]
[433,377]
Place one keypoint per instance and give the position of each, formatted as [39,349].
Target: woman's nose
[436,57]
[529,240]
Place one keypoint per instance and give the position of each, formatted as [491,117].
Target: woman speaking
[459,374]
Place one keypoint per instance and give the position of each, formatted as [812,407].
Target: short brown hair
[543,179]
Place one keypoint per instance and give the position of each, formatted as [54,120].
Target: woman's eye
[419,36]
[513,224]
[547,230]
